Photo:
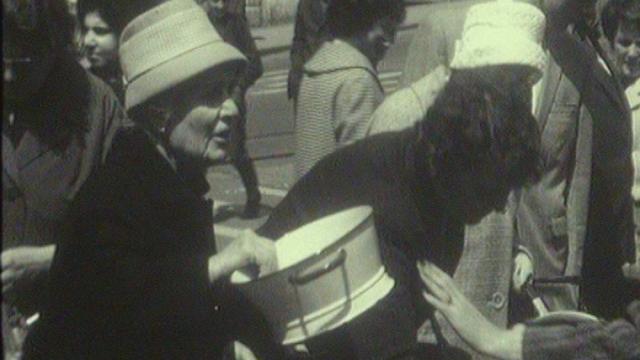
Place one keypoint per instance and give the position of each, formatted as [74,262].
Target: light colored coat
[409,105]
[339,92]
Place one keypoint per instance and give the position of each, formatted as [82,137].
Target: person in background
[100,27]
[308,35]
[58,122]
[558,337]
[132,278]
[340,88]
[621,27]
[234,29]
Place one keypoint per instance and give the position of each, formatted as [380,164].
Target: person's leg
[243,163]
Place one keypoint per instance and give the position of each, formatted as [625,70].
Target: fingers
[435,302]
[436,282]
[631,271]
[442,279]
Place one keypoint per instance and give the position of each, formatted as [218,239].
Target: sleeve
[619,339]
[247,45]
[356,100]
[428,49]
[296,55]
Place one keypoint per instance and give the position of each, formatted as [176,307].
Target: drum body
[330,272]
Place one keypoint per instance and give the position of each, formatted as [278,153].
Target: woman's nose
[89,39]
[221,127]
[229,109]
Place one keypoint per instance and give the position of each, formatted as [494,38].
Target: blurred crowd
[503,176]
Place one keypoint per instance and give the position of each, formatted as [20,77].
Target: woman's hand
[468,322]
[522,271]
[24,262]
[247,250]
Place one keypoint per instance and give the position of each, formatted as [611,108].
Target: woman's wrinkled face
[200,118]
[99,41]
[626,46]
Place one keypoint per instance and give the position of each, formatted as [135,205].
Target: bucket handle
[297,279]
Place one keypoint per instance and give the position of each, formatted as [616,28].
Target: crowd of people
[503,174]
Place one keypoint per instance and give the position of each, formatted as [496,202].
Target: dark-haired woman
[478,142]
[57,125]
[340,88]
[101,26]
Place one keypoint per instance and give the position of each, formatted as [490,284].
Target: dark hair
[46,20]
[482,120]
[345,18]
[616,11]
[108,11]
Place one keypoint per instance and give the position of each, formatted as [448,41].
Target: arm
[584,340]
[427,51]
[24,262]
[356,100]
[296,55]
[247,45]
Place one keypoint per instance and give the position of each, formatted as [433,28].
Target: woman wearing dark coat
[137,275]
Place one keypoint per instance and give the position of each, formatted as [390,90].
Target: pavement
[275,175]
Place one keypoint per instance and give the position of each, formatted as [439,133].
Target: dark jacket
[234,30]
[55,143]
[130,280]
[388,173]
[619,339]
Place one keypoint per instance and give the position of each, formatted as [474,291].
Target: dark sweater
[386,172]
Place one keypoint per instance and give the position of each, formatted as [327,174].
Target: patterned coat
[339,92]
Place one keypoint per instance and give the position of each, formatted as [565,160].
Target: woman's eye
[102,31]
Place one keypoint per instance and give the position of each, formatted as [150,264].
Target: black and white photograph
[321,179]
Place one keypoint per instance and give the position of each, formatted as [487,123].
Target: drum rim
[326,251]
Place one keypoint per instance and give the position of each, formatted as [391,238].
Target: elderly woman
[101,25]
[133,277]
[477,142]
[57,125]
[340,87]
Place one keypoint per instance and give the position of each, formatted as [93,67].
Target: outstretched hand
[468,322]
[22,263]
[247,250]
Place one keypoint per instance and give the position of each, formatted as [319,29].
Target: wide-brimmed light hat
[501,32]
[167,45]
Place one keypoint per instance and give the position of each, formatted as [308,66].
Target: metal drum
[330,271]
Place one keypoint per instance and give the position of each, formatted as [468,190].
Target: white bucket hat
[167,45]
[501,32]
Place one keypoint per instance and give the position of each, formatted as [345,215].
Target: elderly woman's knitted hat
[501,32]
[168,45]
